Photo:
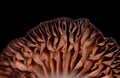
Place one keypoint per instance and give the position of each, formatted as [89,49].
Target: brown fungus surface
[59,47]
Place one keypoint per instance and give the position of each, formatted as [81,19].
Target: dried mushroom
[60,47]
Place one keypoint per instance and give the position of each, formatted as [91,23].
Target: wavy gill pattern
[59,47]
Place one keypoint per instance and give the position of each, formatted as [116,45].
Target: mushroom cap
[61,46]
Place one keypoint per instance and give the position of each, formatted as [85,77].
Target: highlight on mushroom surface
[61,46]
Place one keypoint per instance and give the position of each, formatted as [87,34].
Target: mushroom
[59,48]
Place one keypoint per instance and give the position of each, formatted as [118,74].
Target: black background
[15,22]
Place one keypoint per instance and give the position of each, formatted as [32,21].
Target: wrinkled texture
[61,46]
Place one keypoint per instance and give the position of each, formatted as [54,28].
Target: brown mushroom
[60,47]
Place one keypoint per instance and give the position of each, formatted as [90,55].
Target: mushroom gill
[59,47]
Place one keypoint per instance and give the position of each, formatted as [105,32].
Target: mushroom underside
[61,46]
